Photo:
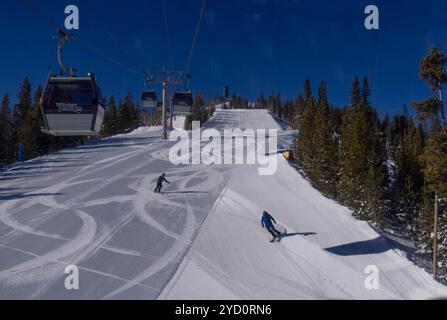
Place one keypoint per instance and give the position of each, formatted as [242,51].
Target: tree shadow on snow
[373,246]
[26,195]
[294,234]
[184,192]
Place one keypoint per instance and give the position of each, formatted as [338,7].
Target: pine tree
[347,188]
[24,102]
[433,71]
[376,161]
[29,131]
[289,113]
[132,113]
[434,162]
[407,187]
[325,147]
[307,90]
[110,121]
[6,147]
[355,139]
[298,112]
[278,106]
[199,112]
[305,140]
[122,118]
[434,157]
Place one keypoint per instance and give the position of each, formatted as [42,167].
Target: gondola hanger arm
[62,37]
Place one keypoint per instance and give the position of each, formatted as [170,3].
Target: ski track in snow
[46,269]
[94,206]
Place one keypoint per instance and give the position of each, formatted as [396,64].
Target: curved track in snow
[94,207]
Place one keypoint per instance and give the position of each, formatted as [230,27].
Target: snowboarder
[267,222]
[160,181]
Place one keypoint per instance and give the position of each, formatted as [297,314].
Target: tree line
[388,170]
[21,124]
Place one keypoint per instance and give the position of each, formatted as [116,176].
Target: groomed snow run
[325,256]
[93,206]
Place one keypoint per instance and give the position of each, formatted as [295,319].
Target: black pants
[158,188]
[273,231]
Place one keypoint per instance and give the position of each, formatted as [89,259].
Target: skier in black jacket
[160,181]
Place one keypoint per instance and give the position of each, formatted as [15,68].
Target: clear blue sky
[252,45]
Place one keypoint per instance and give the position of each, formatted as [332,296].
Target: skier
[267,222]
[160,183]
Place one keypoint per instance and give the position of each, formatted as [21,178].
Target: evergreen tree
[376,161]
[288,112]
[278,105]
[122,117]
[305,140]
[199,112]
[434,162]
[407,185]
[110,121]
[307,90]
[433,71]
[346,188]
[30,129]
[24,102]
[6,152]
[325,147]
[299,111]
[354,152]
[434,156]
[132,113]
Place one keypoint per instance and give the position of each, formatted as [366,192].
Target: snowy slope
[93,206]
[324,256]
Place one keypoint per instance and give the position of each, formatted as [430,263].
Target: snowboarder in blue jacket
[267,222]
[160,181]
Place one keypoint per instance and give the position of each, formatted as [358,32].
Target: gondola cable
[196,33]
[182,101]
[148,63]
[44,18]
[138,74]
[167,34]
[113,38]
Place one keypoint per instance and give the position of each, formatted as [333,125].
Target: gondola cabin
[182,103]
[149,101]
[72,106]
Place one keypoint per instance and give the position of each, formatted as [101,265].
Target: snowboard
[280,228]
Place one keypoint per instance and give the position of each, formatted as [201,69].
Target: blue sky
[253,46]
